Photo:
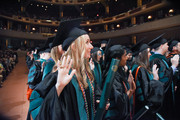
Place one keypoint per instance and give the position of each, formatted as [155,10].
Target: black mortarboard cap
[95,49]
[103,41]
[68,31]
[36,48]
[40,50]
[47,50]
[139,47]
[128,50]
[155,43]
[114,51]
[172,43]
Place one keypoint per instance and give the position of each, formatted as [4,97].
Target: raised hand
[92,66]
[155,72]
[131,80]
[63,73]
[175,60]
[132,85]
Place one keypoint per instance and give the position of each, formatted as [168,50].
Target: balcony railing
[68,2]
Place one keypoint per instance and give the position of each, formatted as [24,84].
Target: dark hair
[116,51]
[94,56]
[142,59]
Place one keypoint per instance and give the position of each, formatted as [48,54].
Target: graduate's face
[149,53]
[88,46]
[129,56]
[123,59]
[178,47]
[46,56]
[165,47]
[99,55]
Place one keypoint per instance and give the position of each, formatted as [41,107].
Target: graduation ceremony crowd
[8,60]
[69,79]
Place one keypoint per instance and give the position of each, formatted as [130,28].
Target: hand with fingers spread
[155,72]
[132,85]
[92,66]
[175,61]
[63,74]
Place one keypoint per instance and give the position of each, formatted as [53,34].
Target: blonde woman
[71,92]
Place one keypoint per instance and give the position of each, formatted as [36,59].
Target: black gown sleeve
[165,74]
[121,99]
[63,107]
[152,90]
[44,86]
[29,62]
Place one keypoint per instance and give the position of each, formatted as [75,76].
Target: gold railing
[69,2]
[137,11]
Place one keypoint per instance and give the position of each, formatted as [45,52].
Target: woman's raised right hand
[63,73]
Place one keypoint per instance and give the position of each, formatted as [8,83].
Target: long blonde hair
[56,55]
[79,62]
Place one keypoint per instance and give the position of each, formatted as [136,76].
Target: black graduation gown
[65,106]
[119,101]
[176,80]
[148,92]
[165,76]
[29,62]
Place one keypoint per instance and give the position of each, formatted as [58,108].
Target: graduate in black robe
[74,94]
[96,56]
[165,74]
[36,99]
[29,59]
[149,90]
[174,48]
[121,90]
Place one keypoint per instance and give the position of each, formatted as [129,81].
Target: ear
[73,46]
[174,48]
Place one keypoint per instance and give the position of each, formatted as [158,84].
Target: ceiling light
[89,29]
[171,11]
[149,17]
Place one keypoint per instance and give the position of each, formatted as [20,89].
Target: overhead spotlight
[81,8]
[33,28]
[171,11]
[45,9]
[51,4]
[55,30]
[149,17]
[46,6]
[117,25]
[48,21]
[98,2]
[31,4]
[42,5]
[97,15]
[37,5]
[89,29]
[116,0]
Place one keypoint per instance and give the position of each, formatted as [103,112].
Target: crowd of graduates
[68,78]
[8,60]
